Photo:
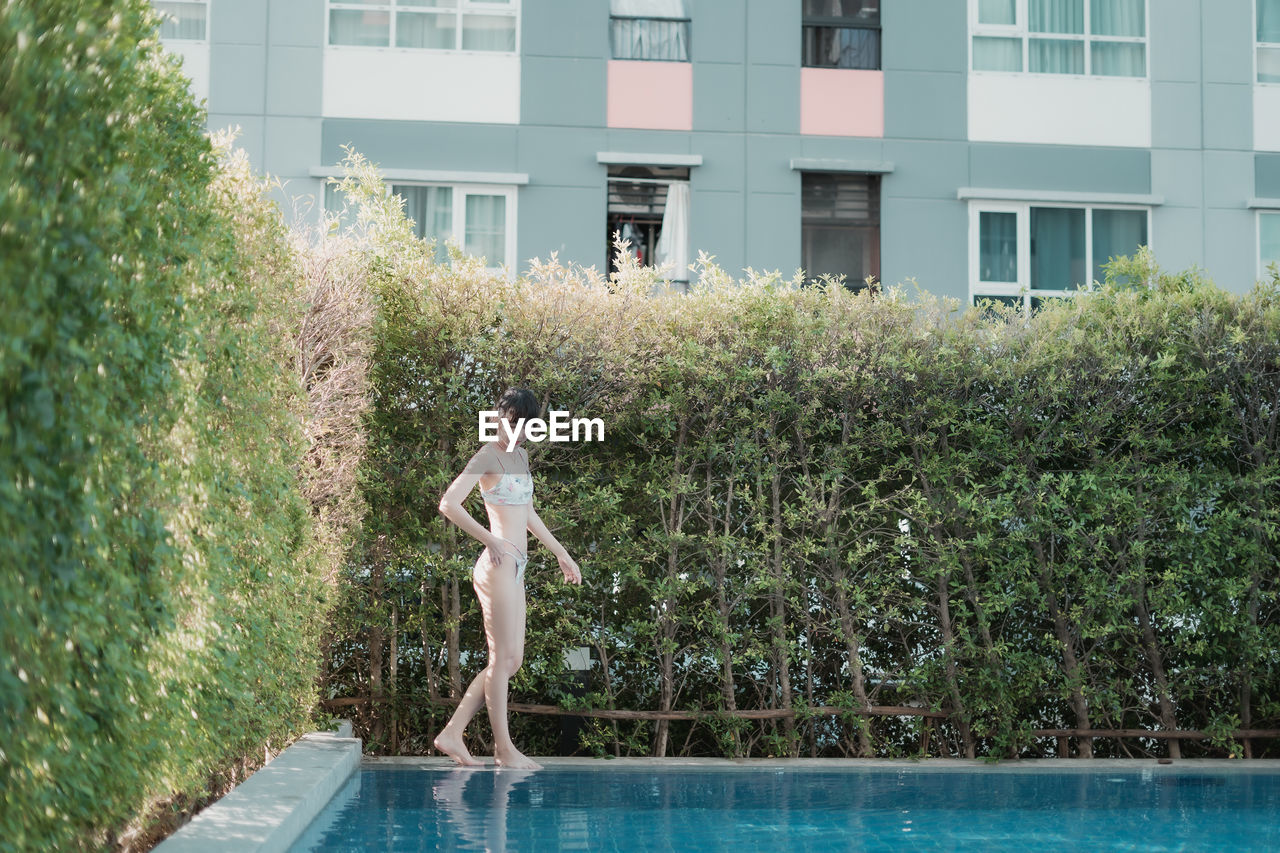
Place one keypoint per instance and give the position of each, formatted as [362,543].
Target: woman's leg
[502,601]
[450,740]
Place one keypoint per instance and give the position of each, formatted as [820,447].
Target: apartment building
[1001,148]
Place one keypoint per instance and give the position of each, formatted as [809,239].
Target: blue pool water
[1147,807]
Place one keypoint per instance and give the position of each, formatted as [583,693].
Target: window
[479,219]
[840,226]
[841,34]
[649,207]
[1268,241]
[649,29]
[184,20]
[1268,25]
[431,24]
[1100,37]
[1024,253]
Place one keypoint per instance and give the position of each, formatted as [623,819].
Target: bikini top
[514,488]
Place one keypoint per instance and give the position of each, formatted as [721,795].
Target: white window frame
[1022,287]
[458,215]
[392,7]
[1257,238]
[1019,30]
[1258,45]
[207,21]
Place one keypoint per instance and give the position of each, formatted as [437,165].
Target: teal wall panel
[299,23]
[925,239]
[1228,116]
[1176,117]
[239,21]
[773,231]
[1053,167]
[238,77]
[567,220]
[926,105]
[717,222]
[423,145]
[563,91]
[719,96]
[292,73]
[565,29]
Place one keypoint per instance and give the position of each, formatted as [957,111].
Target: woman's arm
[539,529]
[451,504]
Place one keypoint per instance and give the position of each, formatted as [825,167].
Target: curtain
[1269,21]
[489,32]
[357,27]
[1117,17]
[189,23]
[649,8]
[486,233]
[1057,248]
[672,250]
[997,12]
[1056,16]
[1119,59]
[1055,56]
[431,209]
[997,54]
[1116,233]
[998,246]
[427,29]
[649,39]
[841,47]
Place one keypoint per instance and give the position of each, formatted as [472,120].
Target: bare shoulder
[482,461]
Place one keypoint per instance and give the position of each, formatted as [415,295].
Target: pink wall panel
[650,95]
[841,102]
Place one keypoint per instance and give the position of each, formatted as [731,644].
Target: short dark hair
[519,403]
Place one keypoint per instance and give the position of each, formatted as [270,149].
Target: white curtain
[996,12]
[183,20]
[654,35]
[1269,226]
[431,209]
[1055,56]
[1119,59]
[347,26]
[997,54]
[672,250]
[1117,18]
[486,231]
[1056,16]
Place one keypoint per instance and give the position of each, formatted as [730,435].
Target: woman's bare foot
[514,760]
[452,746]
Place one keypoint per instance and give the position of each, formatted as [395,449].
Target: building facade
[1003,148]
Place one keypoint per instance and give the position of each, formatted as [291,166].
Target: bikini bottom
[522,560]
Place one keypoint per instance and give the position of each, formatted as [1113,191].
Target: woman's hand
[572,574]
[498,549]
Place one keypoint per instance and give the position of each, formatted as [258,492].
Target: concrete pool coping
[268,811]
[1021,765]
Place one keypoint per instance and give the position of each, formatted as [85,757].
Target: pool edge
[267,812]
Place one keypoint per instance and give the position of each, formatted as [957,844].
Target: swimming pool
[1107,805]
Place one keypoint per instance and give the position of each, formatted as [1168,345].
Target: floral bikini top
[511,489]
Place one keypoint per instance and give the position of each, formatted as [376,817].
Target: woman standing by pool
[498,576]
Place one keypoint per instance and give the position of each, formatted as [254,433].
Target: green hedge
[811,498]
[162,575]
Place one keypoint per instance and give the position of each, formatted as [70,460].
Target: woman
[498,577]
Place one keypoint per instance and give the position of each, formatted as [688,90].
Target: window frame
[1022,287]
[1258,46]
[875,181]
[1257,239]
[665,181]
[512,9]
[208,19]
[459,191]
[840,23]
[687,20]
[1020,29]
